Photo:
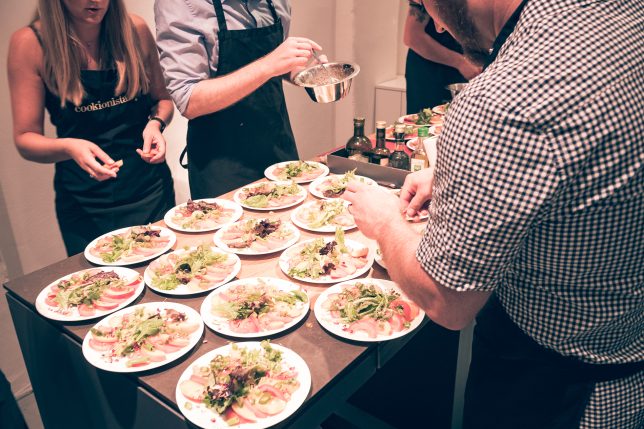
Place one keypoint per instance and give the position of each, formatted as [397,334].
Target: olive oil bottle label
[417,164]
[384,161]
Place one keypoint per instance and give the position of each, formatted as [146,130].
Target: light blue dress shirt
[187,37]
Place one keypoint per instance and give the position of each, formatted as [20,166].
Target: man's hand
[416,191]
[293,54]
[85,154]
[373,209]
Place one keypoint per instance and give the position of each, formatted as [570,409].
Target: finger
[99,171]
[97,152]
[415,205]
[147,143]
[158,156]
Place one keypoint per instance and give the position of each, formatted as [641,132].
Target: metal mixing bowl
[455,88]
[329,82]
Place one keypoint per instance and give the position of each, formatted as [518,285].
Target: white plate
[269,172]
[238,211]
[441,109]
[409,119]
[378,258]
[301,197]
[327,322]
[324,228]
[165,232]
[220,324]
[247,251]
[326,279]
[97,359]
[314,187]
[202,416]
[182,289]
[72,314]
[435,129]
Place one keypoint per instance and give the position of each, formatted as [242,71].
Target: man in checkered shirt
[536,224]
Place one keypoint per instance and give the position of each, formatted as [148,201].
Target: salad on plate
[203,215]
[250,384]
[256,236]
[255,307]
[130,245]
[297,171]
[142,337]
[88,294]
[326,260]
[192,270]
[270,195]
[367,310]
[323,216]
[334,185]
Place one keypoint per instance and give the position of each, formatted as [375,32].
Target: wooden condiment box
[339,163]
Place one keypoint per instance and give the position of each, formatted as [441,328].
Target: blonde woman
[96,71]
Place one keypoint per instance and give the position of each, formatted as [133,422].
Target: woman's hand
[153,150]
[85,154]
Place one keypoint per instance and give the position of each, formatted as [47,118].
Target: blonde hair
[63,51]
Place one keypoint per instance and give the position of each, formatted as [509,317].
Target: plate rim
[232,275]
[239,212]
[166,231]
[42,308]
[207,316]
[317,309]
[195,337]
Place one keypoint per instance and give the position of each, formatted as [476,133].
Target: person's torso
[103,117]
[583,98]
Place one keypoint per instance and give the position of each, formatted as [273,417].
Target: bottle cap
[399,128]
[423,132]
[358,119]
[381,124]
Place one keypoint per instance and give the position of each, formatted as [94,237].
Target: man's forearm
[449,308]
[215,94]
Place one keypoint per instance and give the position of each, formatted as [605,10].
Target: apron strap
[221,18]
[182,157]
[273,12]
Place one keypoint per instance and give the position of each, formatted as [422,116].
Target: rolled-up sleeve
[182,47]
[495,174]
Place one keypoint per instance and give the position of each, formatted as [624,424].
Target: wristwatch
[159,120]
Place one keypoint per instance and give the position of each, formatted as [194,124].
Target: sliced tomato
[51,301]
[155,355]
[409,310]
[397,322]
[272,390]
[199,379]
[167,348]
[179,341]
[119,293]
[367,325]
[105,305]
[86,310]
[99,346]
[192,390]
[244,412]
[135,282]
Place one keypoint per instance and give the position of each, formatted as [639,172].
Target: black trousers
[515,383]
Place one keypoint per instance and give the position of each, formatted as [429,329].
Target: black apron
[514,382]
[232,147]
[140,194]
[426,80]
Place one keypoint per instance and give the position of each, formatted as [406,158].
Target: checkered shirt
[539,189]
